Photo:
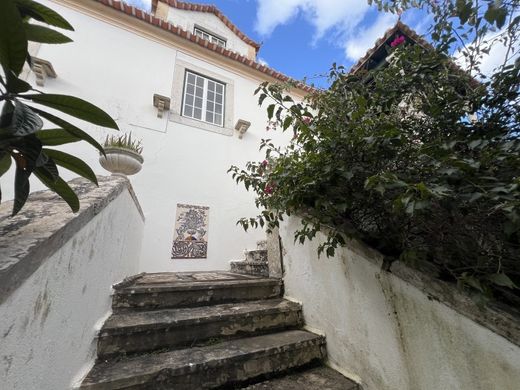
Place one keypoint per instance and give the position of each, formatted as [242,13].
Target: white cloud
[263,62]
[356,45]
[341,20]
[491,61]
[324,15]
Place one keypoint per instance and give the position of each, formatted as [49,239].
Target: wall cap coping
[46,223]
[499,318]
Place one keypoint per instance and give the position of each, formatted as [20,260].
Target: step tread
[139,369]
[191,281]
[254,262]
[312,379]
[122,322]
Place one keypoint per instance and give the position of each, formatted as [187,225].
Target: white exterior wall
[211,23]
[48,325]
[387,334]
[119,71]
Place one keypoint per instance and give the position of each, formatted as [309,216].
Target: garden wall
[56,273]
[400,330]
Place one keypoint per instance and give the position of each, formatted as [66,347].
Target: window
[209,37]
[203,99]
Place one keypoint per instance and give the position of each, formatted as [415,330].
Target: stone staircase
[255,262]
[207,330]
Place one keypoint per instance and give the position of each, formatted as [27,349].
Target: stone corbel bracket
[242,127]
[42,69]
[162,103]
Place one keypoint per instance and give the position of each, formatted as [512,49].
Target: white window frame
[204,99]
[209,36]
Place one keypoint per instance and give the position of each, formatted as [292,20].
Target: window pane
[188,111]
[203,99]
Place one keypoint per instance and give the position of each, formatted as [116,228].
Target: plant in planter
[122,155]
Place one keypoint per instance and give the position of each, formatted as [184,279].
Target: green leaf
[60,187]
[5,163]
[13,43]
[50,169]
[71,163]
[36,33]
[502,279]
[21,188]
[15,85]
[43,14]
[24,121]
[287,122]
[270,111]
[71,129]
[74,106]
[53,137]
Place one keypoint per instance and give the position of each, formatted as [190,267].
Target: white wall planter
[121,161]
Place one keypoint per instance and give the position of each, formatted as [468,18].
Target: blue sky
[302,38]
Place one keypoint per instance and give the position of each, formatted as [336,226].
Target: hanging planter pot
[123,156]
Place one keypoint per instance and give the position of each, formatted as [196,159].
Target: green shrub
[392,157]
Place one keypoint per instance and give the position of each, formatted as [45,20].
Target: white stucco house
[195,57]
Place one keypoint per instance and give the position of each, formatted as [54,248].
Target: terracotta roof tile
[398,27]
[210,9]
[176,30]
[402,28]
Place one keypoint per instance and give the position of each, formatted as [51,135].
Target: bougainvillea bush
[397,158]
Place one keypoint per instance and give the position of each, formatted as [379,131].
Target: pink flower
[397,41]
[268,190]
[307,120]
[264,163]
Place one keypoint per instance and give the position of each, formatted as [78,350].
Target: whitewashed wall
[120,71]
[387,334]
[49,323]
[188,19]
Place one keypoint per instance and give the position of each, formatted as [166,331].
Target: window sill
[200,125]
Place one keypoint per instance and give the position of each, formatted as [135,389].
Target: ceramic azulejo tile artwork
[190,239]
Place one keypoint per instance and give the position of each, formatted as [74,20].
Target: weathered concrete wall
[56,272]
[392,334]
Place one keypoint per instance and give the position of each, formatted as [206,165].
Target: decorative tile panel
[190,239]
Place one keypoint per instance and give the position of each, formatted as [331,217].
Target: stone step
[259,268]
[324,378]
[163,290]
[150,330]
[212,366]
[258,255]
